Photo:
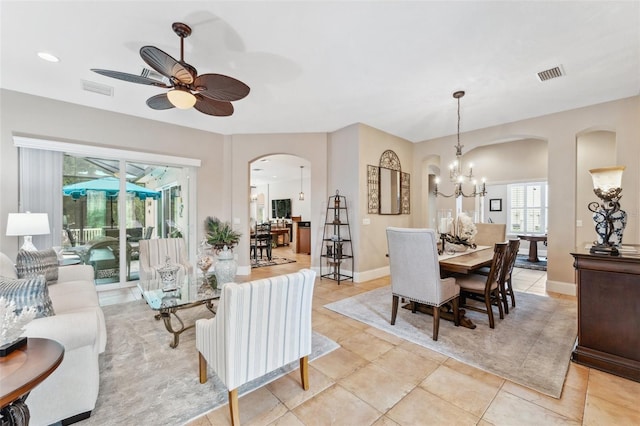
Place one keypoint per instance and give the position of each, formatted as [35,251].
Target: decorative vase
[451,248]
[226,267]
[619,219]
[169,275]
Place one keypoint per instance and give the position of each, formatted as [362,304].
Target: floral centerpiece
[462,235]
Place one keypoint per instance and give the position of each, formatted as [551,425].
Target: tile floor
[375,378]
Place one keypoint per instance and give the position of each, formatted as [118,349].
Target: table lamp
[26,225]
[609,219]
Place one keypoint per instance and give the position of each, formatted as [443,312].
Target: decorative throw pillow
[27,292]
[33,263]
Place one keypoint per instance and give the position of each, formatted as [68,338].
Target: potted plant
[220,234]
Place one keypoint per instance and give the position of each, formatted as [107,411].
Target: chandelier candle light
[455,169]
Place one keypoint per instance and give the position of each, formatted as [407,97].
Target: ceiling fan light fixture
[48,57]
[181,98]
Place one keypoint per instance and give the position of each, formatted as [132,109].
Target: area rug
[523,262]
[258,263]
[531,346]
[144,381]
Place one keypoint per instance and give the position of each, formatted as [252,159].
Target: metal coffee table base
[166,313]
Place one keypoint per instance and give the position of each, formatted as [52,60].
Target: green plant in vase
[220,234]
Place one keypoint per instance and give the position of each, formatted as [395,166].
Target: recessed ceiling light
[48,57]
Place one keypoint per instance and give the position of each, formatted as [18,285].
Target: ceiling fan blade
[221,87]
[132,78]
[213,107]
[165,64]
[160,101]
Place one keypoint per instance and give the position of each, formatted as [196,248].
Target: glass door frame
[124,156]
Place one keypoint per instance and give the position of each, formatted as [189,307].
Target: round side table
[21,371]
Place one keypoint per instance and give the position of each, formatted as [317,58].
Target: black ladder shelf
[336,254]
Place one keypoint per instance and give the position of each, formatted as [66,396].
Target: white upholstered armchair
[259,327]
[415,273]
[153,254]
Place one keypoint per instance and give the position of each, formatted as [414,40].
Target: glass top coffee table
[167,302]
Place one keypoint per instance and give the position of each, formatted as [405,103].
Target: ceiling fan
[208,93]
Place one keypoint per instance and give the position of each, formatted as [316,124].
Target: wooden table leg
[533,251]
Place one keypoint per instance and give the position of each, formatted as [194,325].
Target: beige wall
[242,150]
[338,160]
[27,115]
[593,149]
[560,130]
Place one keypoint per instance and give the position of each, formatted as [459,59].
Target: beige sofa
[79,325]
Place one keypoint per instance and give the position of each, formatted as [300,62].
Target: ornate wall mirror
[388,186]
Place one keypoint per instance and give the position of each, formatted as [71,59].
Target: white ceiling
[320,66]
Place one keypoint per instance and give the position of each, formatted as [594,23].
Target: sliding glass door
[104,225]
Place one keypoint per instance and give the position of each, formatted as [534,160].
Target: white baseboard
[561,287]
[371,274]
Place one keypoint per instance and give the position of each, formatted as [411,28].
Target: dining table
[466,262]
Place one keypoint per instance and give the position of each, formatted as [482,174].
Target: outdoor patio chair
[104,255]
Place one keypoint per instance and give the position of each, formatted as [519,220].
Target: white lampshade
[181,98]
[27,224]
[607,178]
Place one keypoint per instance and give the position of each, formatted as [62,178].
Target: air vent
[154,75]
[101,89]
[550,73]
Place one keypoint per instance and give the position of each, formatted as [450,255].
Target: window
[527,208]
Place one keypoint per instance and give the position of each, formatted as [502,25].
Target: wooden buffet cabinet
[608,312]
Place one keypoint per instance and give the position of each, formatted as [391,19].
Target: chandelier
[301,195]
[456,176]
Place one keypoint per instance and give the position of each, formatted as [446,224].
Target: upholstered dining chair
[485,288]
[259,327]
[507,272]
[153,254]
[490,233]
[415,273]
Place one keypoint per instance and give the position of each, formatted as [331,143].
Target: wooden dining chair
[415,273]
[485,288]
[506,289]
[262,240]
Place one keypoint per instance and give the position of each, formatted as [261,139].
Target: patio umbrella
[111,187]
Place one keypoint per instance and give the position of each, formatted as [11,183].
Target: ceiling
[321,66]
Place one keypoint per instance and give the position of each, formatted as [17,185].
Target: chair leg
[499,302]
[487,302]
[436,321]
[202,368]
[503,298]
[233,407]
[304,372]
[394,310]
[513,296]
[414,307]
[456,311]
